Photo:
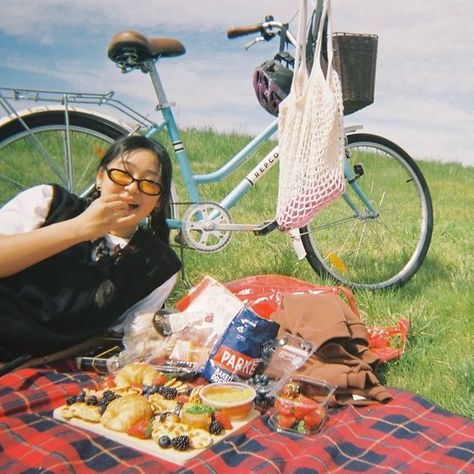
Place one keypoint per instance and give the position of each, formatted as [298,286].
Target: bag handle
[325,16]
[300,77]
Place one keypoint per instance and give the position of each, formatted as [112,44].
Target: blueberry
[81,396]
[164,441]
[92,400]
[262,391]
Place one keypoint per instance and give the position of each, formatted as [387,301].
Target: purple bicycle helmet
[272,83]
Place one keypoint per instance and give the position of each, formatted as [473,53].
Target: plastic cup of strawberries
[301,405]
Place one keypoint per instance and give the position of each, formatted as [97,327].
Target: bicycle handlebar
[238,31]
[268,29]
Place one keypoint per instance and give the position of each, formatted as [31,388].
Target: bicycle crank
[202,227]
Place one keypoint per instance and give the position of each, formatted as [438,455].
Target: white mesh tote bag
[310,134]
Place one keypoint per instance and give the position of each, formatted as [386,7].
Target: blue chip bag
[239,349]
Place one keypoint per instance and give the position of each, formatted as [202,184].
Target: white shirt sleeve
[150,304]
[27,211]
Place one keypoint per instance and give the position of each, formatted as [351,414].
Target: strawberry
[181,399]
[223,419]
[284,406]
[313,419]
[285,421]
[141,430]
[108,382]
[159,379]
[304,405]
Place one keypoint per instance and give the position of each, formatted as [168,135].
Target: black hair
[130,143]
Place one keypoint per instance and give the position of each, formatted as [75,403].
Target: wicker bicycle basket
[355,58]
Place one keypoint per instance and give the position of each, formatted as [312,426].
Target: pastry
[197,416]
[133,374]
[124,412]
[81,410]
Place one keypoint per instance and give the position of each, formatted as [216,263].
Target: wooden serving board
[148,445]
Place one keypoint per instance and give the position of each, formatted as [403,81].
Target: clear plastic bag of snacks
[193,342]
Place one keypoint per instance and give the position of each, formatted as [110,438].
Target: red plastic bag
[389,343]
[264,294]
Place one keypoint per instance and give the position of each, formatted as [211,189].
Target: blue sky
[424,86]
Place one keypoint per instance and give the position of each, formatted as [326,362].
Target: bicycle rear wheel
[377,250]
[43,147]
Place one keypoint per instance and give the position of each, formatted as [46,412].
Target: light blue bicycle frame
[192,181]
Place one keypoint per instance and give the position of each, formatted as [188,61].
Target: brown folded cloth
[342,357]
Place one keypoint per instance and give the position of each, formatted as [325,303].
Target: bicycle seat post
[150,68]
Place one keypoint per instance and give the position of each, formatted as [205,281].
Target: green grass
[439,301]
[438,363]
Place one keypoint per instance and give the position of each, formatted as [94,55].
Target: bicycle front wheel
[378,248]
[46,145]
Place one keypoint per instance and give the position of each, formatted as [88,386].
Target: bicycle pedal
[266,229]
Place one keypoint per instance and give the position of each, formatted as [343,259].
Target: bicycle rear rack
[66,98]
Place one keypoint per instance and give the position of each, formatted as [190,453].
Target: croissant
[124,412]
[135,374]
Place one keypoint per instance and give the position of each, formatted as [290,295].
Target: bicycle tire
[374,252]
[35,154]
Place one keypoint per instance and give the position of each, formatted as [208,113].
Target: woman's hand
[104,215]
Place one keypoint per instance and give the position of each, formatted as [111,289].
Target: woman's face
[141,164]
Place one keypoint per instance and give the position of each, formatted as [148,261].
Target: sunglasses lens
[149,187]
[120,177]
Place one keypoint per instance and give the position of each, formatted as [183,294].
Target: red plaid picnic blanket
[408,434]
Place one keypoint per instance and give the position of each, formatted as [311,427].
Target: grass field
[439,301]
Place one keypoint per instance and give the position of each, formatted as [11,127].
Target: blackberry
[263,402]
[169,393]
[70,400]
[181,443]
[215,427]
[164,441]
[92,400]
[107,397]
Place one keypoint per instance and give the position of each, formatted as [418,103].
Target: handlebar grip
[244,30]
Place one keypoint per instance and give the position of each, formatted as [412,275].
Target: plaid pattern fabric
[406,435]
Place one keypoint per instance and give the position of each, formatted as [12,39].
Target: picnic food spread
[145,404]
[186,379]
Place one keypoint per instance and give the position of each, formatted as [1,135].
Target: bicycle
[375,236]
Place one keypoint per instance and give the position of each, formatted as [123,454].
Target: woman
[71,267]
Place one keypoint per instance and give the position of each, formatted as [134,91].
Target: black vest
[68,297]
